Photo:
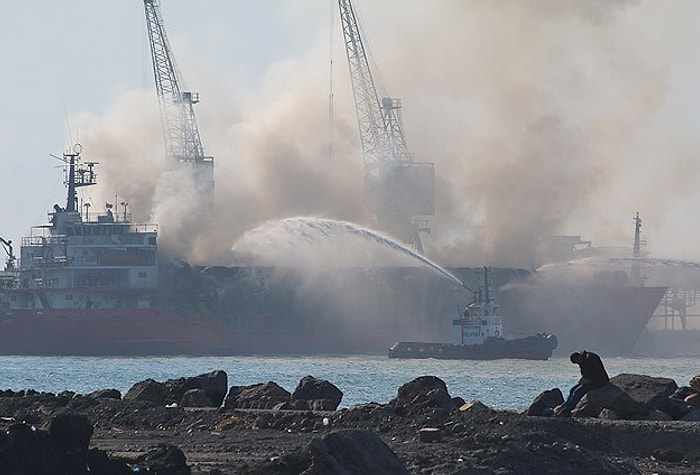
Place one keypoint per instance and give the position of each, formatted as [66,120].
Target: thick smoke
[542,117]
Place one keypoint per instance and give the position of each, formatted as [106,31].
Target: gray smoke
[542,117]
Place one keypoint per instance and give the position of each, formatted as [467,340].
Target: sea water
[501,384]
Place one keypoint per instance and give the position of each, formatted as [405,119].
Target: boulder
[312,389]
[60,450]
[100,463]
[176,388]
[214,384]
[256,396]
[164,459]
[545,403]
[424,391]
[609,397]
[147,390]
[683,392]
[648,390]
[353,452]
[437,397]
[675,408]
[70,434]
[692,416]
[104,393]
[196,398]
[22,449]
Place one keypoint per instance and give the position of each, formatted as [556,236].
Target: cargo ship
[478,335]
[589,304]
[605,318]
[88,285]
[95,283]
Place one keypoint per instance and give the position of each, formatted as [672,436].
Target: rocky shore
[199,425]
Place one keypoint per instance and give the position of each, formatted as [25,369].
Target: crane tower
[399,191]
[182,141]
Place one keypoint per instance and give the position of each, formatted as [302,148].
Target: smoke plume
[542,117]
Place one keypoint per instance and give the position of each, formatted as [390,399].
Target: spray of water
[301,241]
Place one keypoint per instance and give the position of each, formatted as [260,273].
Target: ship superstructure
[480,320]
[77,262]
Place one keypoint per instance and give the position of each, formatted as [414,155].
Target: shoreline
[264,429]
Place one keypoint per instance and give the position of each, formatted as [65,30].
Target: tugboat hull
[533,347]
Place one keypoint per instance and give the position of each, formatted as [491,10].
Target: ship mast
[636,251]
[77,175]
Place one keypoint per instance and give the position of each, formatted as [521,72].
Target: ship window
[142,275]
[152,241]
[69,296]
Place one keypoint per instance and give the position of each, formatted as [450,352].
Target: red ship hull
[142,332]
[605,319]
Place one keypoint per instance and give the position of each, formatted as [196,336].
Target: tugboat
[477,335]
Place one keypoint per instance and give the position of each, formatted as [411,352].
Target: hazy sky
[542,116]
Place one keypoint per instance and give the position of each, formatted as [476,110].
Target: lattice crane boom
[369,116]
[381,131]
[182,140]
[397,188]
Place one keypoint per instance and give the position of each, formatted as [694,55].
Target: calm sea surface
[503,384]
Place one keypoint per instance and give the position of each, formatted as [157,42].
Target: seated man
[593,375]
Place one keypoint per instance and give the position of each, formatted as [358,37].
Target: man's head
[575,357]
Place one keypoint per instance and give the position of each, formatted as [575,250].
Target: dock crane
[398,190]
[182,141]
[7,246]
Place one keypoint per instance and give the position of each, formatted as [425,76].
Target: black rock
[165,459]
[353,452]
[546,402]
[314,389]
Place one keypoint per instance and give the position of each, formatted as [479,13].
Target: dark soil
[474,441]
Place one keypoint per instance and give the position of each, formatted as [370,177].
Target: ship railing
[84,262]
[131,228]
[38,241]
[54,261]
[9,279]
[144,228]
[112,241]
